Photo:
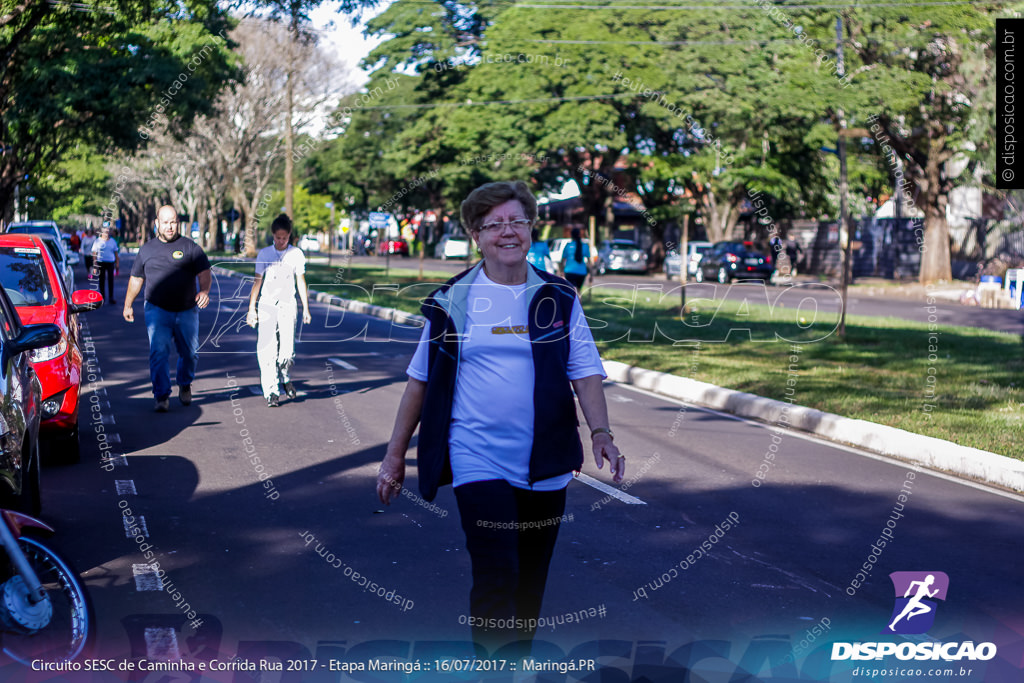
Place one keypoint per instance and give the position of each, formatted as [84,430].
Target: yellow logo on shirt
[177,254]
[514,329]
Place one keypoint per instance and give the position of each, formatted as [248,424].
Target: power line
[659,42]
[470,103]
[747,8]
[82,7]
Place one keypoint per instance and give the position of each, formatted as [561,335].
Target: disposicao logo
[914,613]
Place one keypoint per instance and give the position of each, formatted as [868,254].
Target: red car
[33,285]
[394,246]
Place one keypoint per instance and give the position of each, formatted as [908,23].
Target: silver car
[695,249]
[621,255]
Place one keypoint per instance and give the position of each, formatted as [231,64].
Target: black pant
[106,274]
[510,536]
[577,280]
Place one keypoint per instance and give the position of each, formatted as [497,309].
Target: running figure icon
[916,595]
[915,607]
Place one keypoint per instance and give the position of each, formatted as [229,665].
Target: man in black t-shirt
[169,266]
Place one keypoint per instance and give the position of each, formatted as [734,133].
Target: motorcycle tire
[69,631]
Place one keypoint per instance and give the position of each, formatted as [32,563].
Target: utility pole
[684,261]
[845,241]
[330,233]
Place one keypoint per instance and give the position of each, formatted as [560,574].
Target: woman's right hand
[250,318]
[390,477]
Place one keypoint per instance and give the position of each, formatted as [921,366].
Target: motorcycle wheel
[69,628]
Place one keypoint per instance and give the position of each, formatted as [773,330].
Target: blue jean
[164,328]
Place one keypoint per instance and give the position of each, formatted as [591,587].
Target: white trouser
[275,344]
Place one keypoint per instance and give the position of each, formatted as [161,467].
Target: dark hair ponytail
[577,244]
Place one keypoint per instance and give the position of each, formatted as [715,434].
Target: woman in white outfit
[280,273]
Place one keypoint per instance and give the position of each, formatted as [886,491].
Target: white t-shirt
[105,251]
[492,413]
[279,269]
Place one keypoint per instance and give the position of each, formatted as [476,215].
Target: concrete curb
[925,451]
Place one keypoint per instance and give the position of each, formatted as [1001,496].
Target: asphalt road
[827,298]
[269,567]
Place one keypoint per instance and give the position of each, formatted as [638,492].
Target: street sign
[379,219]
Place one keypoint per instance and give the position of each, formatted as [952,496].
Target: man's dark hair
[282,222]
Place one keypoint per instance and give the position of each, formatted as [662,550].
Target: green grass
[880,372]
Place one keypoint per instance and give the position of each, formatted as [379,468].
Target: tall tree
[96,72]
[915,85]
[295,14]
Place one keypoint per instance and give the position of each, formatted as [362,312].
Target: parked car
[452,247]
[31,282]
[73,258]
[394,246]
[61,258]
[20,406]
[621,255]
[728,261]
[558,245]
[309,243]
[35,227]
[695,249]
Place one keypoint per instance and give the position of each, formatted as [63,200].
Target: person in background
[280,274]
[107,261]
[491,387]
[540,255]
[576,260]
[88,239]
[169,267]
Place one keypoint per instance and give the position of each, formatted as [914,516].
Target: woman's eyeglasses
[498,226]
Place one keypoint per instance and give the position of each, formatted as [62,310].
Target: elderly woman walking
[491,387]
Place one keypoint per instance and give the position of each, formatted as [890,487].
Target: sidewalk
[881,288]
[926,451]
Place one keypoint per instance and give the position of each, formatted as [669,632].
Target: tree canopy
[98,72]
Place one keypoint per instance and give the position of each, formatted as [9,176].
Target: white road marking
[162,644]
[140,523]
[125,487]
[146,578]
[342,364]
[115,459]
[605,488]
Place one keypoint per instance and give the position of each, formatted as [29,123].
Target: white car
[309,243]
[61,258]
[452,247]
[557,246]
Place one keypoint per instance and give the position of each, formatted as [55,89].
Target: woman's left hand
[605,449]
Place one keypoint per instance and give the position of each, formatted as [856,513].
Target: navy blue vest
[556,445]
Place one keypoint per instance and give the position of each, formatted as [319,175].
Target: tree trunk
[935,256]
